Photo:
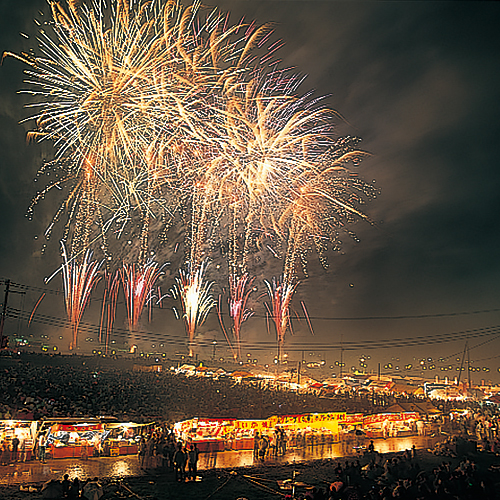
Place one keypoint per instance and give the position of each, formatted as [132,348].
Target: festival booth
[123,438]
[310,429]
[224,434]
[208,434]
[24,430]
[87,437]
[390,424]
[351,431]
[351,423]
[65,440]
[67,437]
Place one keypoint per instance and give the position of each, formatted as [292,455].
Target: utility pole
[462,363]
[468,366]
[341,353]
[3,344]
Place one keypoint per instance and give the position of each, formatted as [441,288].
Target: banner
[389,417]
[77,428]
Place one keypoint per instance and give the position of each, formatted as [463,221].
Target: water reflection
[335,451]
[120,467]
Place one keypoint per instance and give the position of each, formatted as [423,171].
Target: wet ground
[127,466]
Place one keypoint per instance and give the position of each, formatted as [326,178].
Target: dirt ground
[252,483]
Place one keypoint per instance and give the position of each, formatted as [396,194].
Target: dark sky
[420,83]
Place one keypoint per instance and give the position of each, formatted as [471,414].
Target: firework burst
[163,114]
[138,286]
[194,294]
[78,282]
[280,292]
[240,289]
[127,93]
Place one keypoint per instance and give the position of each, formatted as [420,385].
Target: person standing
[42,444]
[180,460]
[256,439]
[277,441]
[193,462]
[15,445]
[149,449]
[4,453]
[74,490]
[169,452]
[263,446]
[283,441]
[22,456]
[142,451]
[66,485]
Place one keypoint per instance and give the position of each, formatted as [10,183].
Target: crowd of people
[33,391]
[371,476]
[74,386]
[402,477]
[163,449]
[73,489]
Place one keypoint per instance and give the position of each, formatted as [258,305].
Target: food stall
[84,440]
[123,438]
[87,437]
[208,434]
[233,434]
[24,430]
[390,424]
[352,422]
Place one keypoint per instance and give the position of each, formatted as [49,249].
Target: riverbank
[266,482]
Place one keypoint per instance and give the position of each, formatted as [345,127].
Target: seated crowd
[75,388]
[402,477]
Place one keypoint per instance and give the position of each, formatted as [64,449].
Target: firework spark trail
[306,315]
[38,302]
[109,303]
[323,202]
[194,294]
[129,89]
[224,331]
[274,161]
[78,282]
[280,292]
[240,289]
[159,115]
[138,284]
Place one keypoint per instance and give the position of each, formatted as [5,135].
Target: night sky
[420,83]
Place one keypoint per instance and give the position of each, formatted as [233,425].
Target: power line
[149,336]
[296,316]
